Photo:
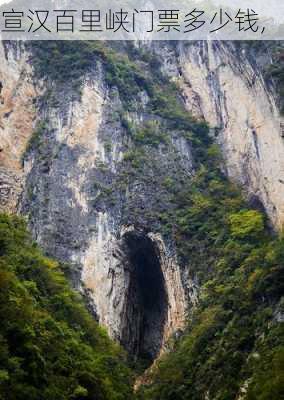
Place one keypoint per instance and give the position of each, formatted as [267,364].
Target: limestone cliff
[95,199]
[76,203]
[221,85]
[17,116]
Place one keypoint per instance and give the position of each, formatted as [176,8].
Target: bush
[50,347]
[246,224]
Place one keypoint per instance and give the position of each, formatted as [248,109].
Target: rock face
[222,86]
[90,202]
[84,209]
[231,95]
[137,288]
[17,115]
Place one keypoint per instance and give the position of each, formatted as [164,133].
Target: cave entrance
[146,302]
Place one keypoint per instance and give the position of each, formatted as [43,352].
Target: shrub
[50,347]
[246,224]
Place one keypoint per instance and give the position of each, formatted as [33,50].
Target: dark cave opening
[147,302]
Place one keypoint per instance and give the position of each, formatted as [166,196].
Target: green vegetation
[50,347]
[233,338]
[66,62]
[268,379]
[151,134]
[62,62]
[246,224]
[136,158]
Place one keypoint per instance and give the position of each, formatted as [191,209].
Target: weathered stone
[233,97]
[88,207]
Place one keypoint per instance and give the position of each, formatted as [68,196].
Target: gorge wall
[95,196]
[222,85]
[17,116]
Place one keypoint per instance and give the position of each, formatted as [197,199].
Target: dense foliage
[234,342]
[50,347]
[233,337]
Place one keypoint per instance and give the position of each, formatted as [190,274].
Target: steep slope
[97,176]
[233,345]
[224,84]
[124,184]
[248,122]
[50,346]
[17,114]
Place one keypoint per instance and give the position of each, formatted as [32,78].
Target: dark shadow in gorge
[146,301]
